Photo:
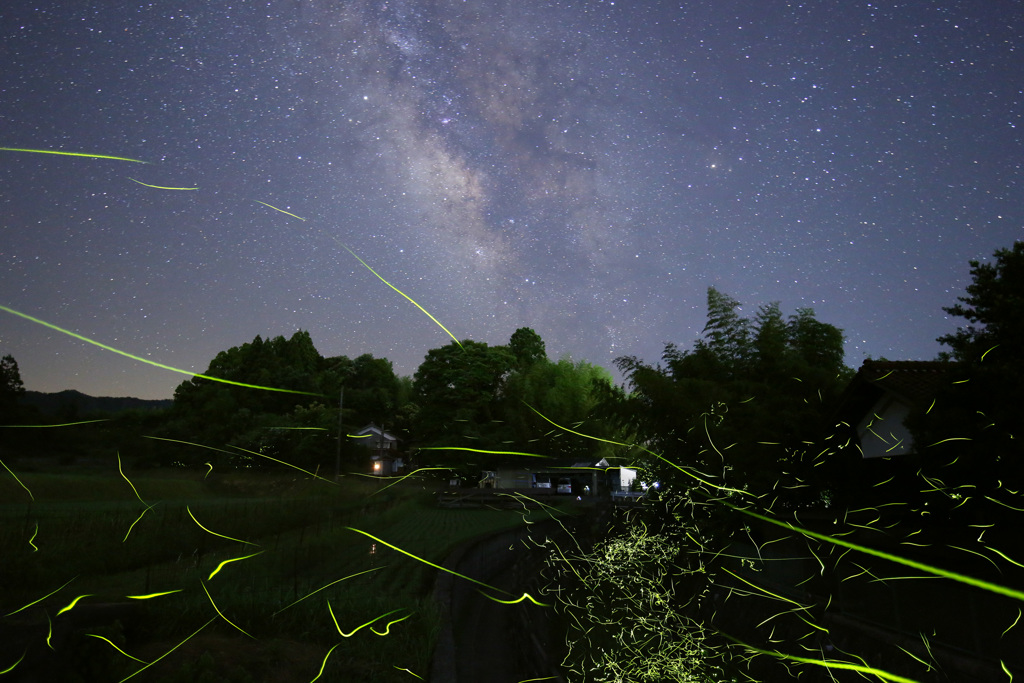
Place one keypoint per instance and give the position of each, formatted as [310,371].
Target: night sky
[585,168]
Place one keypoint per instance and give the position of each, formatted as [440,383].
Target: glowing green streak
[214,532]
[524,596]
[367,571]
[277,209]
[645,450]
[999,502]
[66,424]
[149,362]
[768,592]
[11,667]
[372,476]
[323,665]
[296,467]
[387,627]
[234,559]
[34,534]
[71,154]
[169,651]
[953,438]
[361,626]
[407,671]
[17,480]
[189,443]
[72,604]
[402,478]
[1004,556]
[410,299]
[478,450]
[93,635]
[40,599]
[216,609]
[121,472]
[160,187]
[137,520]
[153,595]
[550,509]
[710,441]
[927,568]
[588,436]
[827,663]
[427,562]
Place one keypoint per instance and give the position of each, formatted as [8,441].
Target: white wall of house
[626,478]
[882,432]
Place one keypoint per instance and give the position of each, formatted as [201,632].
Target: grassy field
[266,617]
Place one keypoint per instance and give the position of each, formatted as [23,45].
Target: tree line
[743,417]
[741,428]
[745,400]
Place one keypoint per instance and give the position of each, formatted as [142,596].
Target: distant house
[383,447]
[579,478]
[881,396]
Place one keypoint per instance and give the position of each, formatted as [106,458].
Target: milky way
[586,169]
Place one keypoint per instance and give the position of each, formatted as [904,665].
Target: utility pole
[341,434]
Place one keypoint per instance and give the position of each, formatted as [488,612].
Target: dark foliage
[298,426]
[745,405]
[971,433]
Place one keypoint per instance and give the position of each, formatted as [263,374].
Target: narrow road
[486,642]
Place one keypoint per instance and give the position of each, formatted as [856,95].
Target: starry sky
[585,168]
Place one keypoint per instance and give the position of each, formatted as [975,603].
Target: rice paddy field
[174,575]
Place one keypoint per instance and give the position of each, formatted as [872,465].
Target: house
[383,448]
[621,479]
[578,478]
[881,396]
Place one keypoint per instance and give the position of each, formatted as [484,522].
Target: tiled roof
[913,380]
[373,429]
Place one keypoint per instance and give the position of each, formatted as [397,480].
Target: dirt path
[486,642]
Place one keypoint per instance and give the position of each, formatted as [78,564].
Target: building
[578,479]
[881,396]
[383,447]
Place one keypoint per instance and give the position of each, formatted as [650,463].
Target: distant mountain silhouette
[71,402]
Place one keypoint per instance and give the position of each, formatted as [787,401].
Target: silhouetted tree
[11,412]
[457,390]
[526,347]
[992,307]
[299,428]
[565,393]
[743,404]
[11,386]
[971,434]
